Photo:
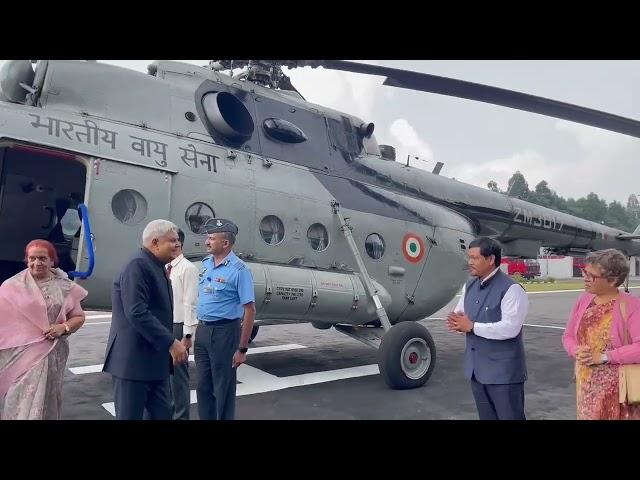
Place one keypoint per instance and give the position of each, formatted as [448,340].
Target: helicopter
[335,231]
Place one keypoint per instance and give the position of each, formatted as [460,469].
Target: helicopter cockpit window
[318,237]
[283,131]
[197,215]
[343,136]
[129,207]
[272,230]
[374,244]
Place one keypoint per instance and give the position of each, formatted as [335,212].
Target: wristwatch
[67,330]
[243,349]
[604,359]
[187,336]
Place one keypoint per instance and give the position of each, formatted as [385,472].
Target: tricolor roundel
[413,247]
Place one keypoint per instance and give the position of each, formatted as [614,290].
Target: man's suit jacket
[142,321]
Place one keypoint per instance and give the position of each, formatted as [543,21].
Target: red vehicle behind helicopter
[527,267]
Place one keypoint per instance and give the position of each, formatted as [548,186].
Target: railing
[88,236]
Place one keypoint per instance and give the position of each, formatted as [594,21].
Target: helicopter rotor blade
[483,93]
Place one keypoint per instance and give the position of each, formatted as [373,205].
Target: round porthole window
[272,230]
[318,237]
[129,207]
[374,244]
[197,215]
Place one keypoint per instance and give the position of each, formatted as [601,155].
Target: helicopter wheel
[254,332]
[407,356]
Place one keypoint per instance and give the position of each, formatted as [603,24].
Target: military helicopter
[335,231]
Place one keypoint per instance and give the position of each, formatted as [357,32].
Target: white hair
[157,229]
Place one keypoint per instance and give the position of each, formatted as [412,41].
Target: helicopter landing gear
[406,352]
[407,356]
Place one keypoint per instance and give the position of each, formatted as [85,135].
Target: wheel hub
[415,358]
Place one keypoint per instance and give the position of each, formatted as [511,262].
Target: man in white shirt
[491,311]
[184,282]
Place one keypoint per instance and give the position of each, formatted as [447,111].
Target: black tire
[321,325]
[418,341]
[254,332]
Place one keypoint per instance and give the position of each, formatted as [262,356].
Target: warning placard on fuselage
[289,293]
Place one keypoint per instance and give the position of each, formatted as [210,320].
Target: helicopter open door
[122,199]
[40,191]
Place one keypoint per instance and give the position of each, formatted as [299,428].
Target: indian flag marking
[413,247]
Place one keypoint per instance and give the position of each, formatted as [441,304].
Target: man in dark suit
[491,311]
[141,336]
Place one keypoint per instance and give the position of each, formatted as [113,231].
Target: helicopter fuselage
[137,147]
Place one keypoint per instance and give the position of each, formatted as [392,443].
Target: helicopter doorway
[39,195]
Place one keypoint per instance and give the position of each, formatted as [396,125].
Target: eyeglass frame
[590,276]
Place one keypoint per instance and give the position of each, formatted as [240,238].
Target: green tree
[633,207]
[618,217]
[518,186]
[592,208]
[543,194]
[493,186]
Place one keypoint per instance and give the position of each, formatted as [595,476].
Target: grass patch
[561,285]
[550,287]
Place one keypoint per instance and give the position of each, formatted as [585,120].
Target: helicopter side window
[272,230]
[129,207]
[197,215]
[318,237]
[374,244]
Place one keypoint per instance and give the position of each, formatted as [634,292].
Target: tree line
[591,207]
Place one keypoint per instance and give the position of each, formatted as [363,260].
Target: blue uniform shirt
[223,290]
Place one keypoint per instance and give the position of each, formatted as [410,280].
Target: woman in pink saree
[39,308]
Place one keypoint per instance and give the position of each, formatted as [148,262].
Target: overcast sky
[479,142]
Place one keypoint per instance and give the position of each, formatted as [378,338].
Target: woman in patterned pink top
[39,308]
[595,337]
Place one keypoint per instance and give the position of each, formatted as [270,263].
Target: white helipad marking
[110,407]
[255,381]
[275,348]
[96,323]
[86,369]
[543,326]
[271,348]
[91,317]
[253,351]
[329,376]
[565,291]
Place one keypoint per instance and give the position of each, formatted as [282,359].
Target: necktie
[169,267]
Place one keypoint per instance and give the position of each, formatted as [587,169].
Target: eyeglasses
[590,276]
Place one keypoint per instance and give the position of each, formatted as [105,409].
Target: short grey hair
[611,262]
[230,236]
[157,229]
